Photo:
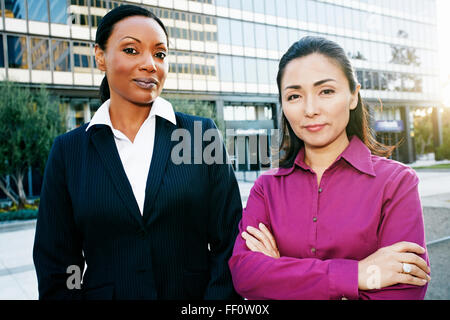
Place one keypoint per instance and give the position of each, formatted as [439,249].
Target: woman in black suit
[115,199]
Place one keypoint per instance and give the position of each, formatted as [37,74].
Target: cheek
[118,68]
[292,113]
[340,113]
[163,70]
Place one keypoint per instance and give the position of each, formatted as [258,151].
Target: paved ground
[18,278]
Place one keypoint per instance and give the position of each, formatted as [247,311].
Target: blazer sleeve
[57,243]
[401,220]
[225,210]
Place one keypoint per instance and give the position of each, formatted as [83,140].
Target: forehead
[312,68]
[140,27]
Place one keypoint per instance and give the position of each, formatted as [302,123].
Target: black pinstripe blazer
[88,214]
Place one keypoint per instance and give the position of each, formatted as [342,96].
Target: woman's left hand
[261,240]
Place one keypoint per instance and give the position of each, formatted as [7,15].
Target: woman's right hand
[384,267]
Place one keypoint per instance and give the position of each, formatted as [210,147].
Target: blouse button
[313,250]
[315,219]
[320,190]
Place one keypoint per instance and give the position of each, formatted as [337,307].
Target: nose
[311,108]
[148,64]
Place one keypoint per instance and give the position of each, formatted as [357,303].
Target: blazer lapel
[162,148]
[103,141]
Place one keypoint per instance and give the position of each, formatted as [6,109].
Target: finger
[414,259]
[405,246]
[260,236]
[410,279]
[269,235]
[252,243]
[419,273]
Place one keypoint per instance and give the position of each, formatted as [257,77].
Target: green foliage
[18,215]
[443,152]
[423,134]
[197,108]
[30,122]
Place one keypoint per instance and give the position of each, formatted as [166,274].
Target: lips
[315,127]
[145,83]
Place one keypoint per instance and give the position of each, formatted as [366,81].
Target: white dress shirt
[136,156]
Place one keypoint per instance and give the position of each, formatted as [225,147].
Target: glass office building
[226,52]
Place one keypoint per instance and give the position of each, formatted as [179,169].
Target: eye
[327,91]
[131,51]
[161,55]
[292,97]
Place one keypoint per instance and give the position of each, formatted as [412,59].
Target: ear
[354,99]
[100,58]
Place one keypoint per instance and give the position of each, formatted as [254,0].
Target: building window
[58,11]
[223,30]
[15,9]
[17,52]
[95,20]
[250,70]
[249,34]
[61,55]
[242,111]
[226,73]
[37,10]
[2,55]
[263,72]
[39,52]
[260,32]
[98,3]
[238,69]
[79,2]
[82,57]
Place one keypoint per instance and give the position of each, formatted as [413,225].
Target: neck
[320,158]
[127,116]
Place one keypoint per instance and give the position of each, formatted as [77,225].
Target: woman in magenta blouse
[337,219]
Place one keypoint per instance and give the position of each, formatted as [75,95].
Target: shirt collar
[356,154]
[160,107]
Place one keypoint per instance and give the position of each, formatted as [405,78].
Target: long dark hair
[359,117]
[105,28]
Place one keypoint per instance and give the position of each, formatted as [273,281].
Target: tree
[30,120]
[197,108]
[443,152]
[423,133]
[405,56]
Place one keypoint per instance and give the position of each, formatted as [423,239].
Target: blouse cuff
[343,275]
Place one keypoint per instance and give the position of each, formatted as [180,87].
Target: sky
[443,20]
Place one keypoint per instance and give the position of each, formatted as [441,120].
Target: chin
[145,100]
[317,142]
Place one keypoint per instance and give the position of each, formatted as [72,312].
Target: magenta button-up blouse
[363,203]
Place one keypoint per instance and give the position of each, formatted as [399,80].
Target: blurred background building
[226,53]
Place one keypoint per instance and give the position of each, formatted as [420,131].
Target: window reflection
[250,70]
[58,11]
[17,52]
[82,57]
[15,9]
[37,10]
[238,69]
[61,55]
[225,72]
[2,57]
[39,51]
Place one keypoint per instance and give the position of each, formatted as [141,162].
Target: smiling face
[135,60]
[316,100]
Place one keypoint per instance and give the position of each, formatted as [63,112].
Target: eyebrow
[156,45]
[318,83]
[131,38]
